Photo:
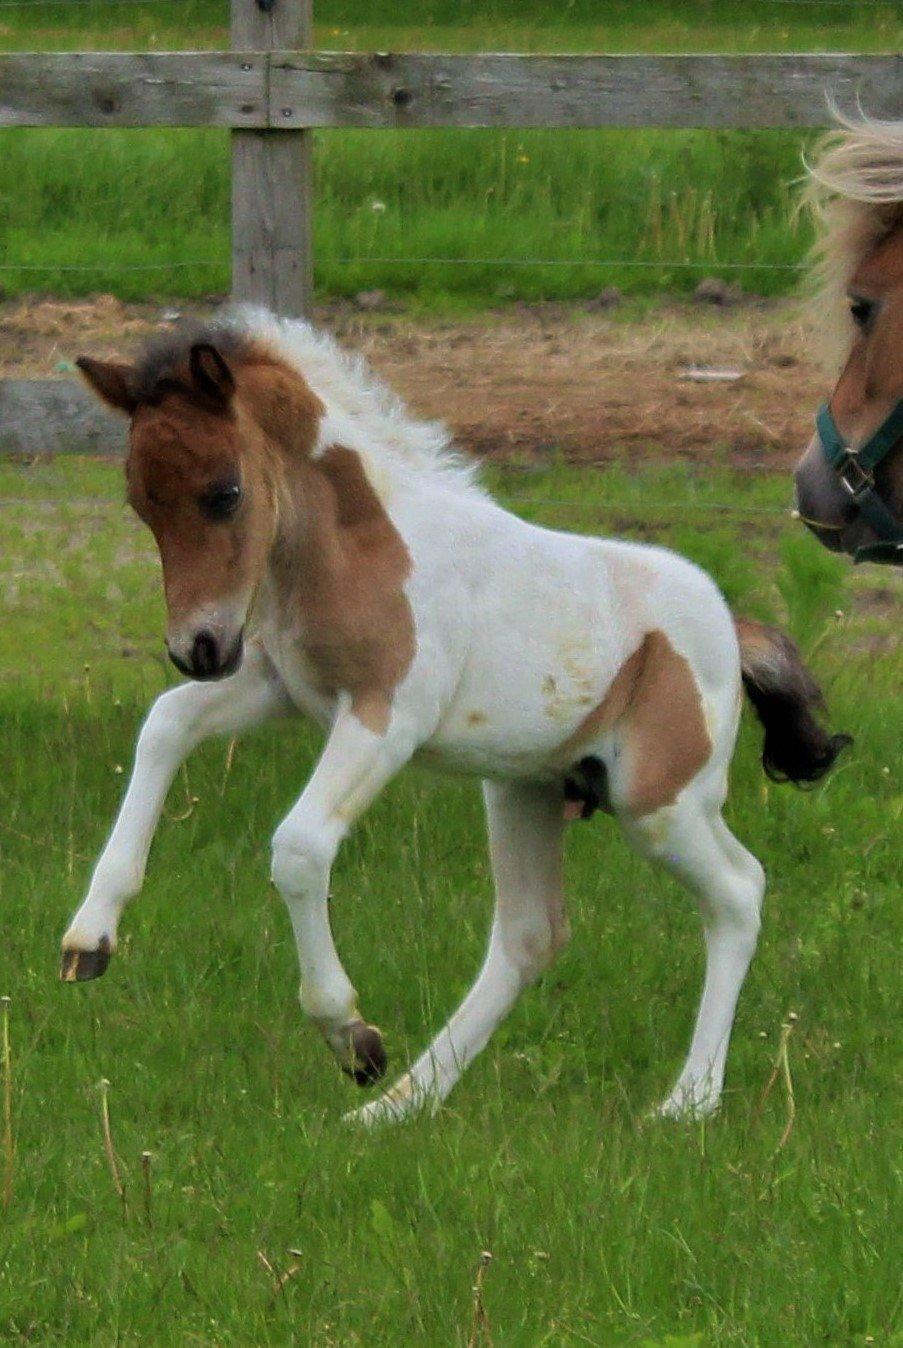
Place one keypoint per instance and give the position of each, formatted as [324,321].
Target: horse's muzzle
[209,658]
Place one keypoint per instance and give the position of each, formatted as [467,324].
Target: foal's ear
[210,373]
[113,383]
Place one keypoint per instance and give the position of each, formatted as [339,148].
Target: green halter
[855,471]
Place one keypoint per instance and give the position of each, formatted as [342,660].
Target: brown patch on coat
[340,570]
[654,702]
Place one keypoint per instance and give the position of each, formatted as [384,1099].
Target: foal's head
[858,191]
[200,474]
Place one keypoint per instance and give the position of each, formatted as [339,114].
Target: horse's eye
[221,501]
[862,311]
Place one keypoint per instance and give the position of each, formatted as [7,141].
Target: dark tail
[789,703]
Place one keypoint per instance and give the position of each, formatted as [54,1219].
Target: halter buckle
[853,477]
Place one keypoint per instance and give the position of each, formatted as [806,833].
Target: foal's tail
[788,702]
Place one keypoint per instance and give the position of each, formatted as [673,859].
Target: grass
[474,25]
[563,197]
[604,1229]
[584,204]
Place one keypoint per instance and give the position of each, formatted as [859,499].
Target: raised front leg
[354,767]
[529,927]
[179,720]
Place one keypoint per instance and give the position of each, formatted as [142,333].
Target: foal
[850,480]
[324,553]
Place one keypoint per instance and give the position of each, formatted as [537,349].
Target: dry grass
[533,380]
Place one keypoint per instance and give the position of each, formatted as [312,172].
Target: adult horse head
[849,482]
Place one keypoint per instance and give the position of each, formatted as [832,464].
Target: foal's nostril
[204,655]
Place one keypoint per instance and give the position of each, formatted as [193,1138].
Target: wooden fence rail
[288,91]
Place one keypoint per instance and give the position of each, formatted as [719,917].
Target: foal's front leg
[178,721]
[354,767]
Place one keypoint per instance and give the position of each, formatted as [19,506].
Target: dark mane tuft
[165,356]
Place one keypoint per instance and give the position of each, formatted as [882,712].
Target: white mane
[855,191]
[355,398]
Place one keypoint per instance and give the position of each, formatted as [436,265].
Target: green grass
[105,202]
[605,1229]
[474,25]
[476,196]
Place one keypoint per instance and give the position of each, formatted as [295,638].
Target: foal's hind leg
[528,929]
[179,719]
[695,844]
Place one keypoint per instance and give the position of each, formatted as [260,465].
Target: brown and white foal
[325,553]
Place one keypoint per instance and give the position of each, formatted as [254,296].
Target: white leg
[176,723]
[354,767]
[693,841]
[528,929]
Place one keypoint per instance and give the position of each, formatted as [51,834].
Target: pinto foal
[332,556]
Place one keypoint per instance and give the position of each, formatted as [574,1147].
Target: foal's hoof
[369,1060]
[78,966]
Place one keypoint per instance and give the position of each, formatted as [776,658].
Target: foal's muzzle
[209,657]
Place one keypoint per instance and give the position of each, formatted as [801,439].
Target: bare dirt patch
[533,380]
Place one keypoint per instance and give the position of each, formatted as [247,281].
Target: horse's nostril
[205,654]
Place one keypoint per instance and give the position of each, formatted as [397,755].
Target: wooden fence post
[272,262]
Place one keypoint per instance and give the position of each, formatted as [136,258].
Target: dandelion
[377,207]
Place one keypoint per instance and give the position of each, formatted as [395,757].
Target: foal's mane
[361,409]
[165,356]
[855,191]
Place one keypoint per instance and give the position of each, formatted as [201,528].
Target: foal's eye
[862,311]
[221,501]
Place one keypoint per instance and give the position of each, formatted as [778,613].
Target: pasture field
[264,1220]
[144,213]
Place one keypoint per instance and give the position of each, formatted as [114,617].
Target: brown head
[857,191]
[202,472]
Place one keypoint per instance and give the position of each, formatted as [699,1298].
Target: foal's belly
[515,720]
[475,758]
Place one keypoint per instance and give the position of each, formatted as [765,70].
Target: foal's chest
[302,678]
[336,618]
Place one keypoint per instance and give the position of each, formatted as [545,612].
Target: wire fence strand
[112,267]
[67,4]
[632,510]
[666,264]
[852,5]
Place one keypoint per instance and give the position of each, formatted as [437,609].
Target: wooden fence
[273,93]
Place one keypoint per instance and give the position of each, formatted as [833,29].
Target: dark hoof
[370,1060]
[78,966]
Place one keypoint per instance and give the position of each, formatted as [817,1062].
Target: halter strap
[855,472]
